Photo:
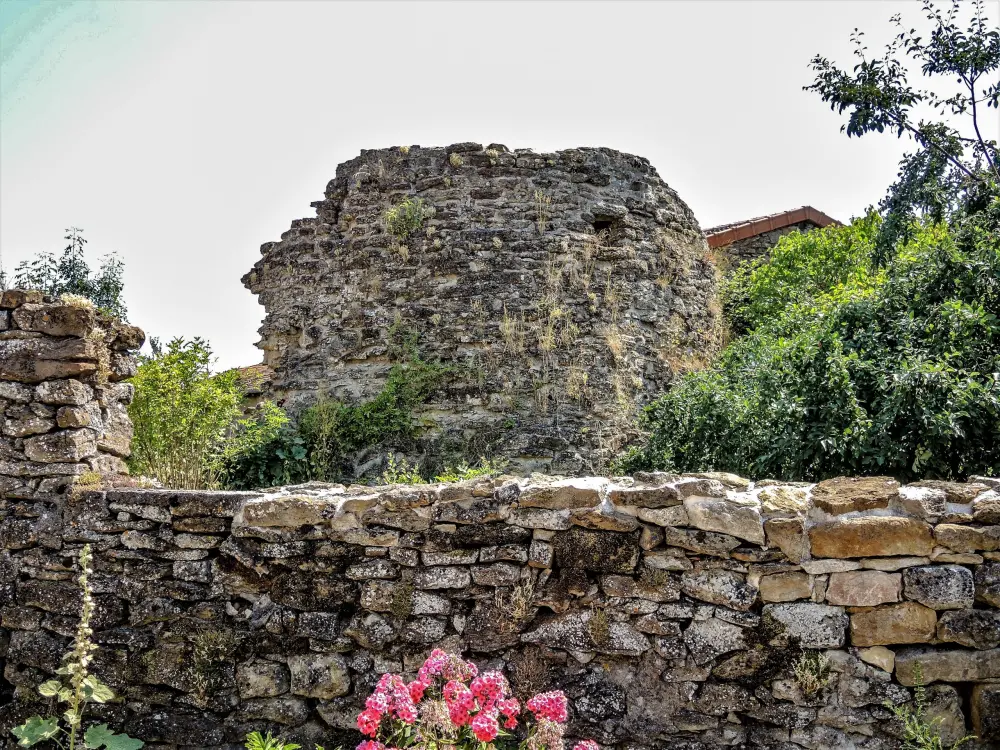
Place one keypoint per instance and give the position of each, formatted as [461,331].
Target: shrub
[77,688]
[812,672]
[451,705]
[407,217]
[485,468]
[918,732]
[895,372]
[181,414]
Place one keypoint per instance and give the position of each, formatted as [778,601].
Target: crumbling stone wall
[565,287]
[63,402]
[672,610]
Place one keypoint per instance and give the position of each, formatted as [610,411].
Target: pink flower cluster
[478,707]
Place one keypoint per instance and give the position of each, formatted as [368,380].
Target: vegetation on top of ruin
[406,217]
[69,276]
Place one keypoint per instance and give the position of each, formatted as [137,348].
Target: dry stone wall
[564,288]
[688,613]
[64,407]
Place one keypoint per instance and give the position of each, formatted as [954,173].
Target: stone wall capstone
[565,288]
[63,402]
[694,612]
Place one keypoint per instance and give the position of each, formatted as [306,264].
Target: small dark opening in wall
[601,225]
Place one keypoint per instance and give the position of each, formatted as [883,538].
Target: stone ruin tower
[566,289]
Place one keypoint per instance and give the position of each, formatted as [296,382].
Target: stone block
[322,676]
[947,665]
[701,542]
[928,503]
[863,588]
[986,507]
[673,516]
[975,628]
[906,622]
[64,392]
[878,656]
[442,578]
[723,587]
[940,586]
[641,495]
[711,638]
[870,536]
[785,587]
[587,631]
[598,551]
[56,319]
[810,625]
[784,501]
[262,679]
[736,515]
[61,446]
[987,581]
[564,494]
[789,535]
[967,538]
[853,494]
[986,712]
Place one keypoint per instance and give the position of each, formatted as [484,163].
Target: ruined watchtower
[564,289]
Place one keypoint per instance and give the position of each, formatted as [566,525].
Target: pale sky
[184,134]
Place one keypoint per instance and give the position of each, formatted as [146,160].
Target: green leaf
[50,688]
[97,691]
[35,730]
[100,736]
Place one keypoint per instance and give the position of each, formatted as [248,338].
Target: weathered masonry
[692,612]
[64,407]
[564,289]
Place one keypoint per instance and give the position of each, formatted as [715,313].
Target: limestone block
[947,665]
[863,588]
[599,551]
[824,567]
[975,628]
[967,538]
[262,679]
[649,496]
[73,416]
[784,501]
[68,392]
[907,622]
[371,631]
[500,552]
[852,494]
[723,587]
[583,492]
[711,638]
[737,515]
[960,493]
[116,433]
[789,535]
[701,542]
[540,518]
[64,445]
[27,425]
[870,536]
[540,554]
[454,557]
[986,507]
[672,516]
[15,392]
[322,676]
[813,625]
[578,631]
[666,589]
[289,511]
[56,319]
[940,586]
[650,537]
[987,580]
[986,711]
[890,564]
[928,503]
[498,574]
[666,559]
[785,587]
[369,569]
[606,518]
[442,578]
[878,656]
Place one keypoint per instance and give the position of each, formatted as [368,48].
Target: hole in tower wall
[603,225]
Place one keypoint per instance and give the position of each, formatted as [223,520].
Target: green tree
[69,273]
[182,413]
[954,170]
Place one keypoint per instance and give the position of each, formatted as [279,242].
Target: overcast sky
[184,134]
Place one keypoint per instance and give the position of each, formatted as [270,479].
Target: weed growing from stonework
[812,672]
[407,217]
[77,688]
[460,473]
[919,733]
[400,472]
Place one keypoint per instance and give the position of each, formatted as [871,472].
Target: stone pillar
[62,363]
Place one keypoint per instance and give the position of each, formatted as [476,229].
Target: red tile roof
[726,234]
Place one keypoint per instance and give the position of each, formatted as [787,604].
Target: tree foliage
[953,167]
[890,373]
[182,413]
[69,273]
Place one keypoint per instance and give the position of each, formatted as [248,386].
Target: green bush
[407,217]
[182,413]
[325,440]
[845,372]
